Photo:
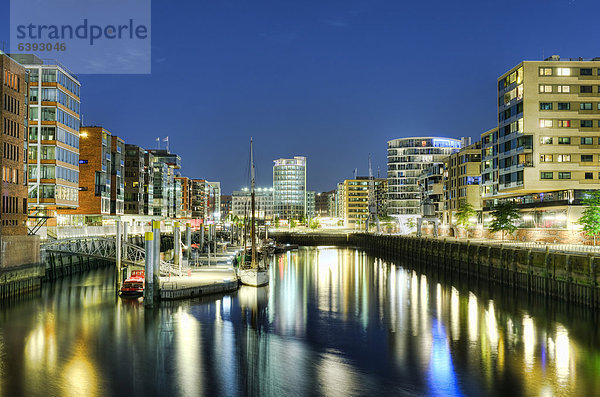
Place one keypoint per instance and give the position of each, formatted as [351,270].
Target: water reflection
[331,322]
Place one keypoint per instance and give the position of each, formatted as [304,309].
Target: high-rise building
[462,181]
[289,188]
[117,193]
[53,136]
[95,178]
[355,195]
[165,194]
[13,113]
[199,199]
[134,180]
[407,158]
[547,141]
[263,199]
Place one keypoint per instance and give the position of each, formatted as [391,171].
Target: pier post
[118,254]
[156,255]
[202,238]
[177,246]
[188,240]
[125,231]
[149,271]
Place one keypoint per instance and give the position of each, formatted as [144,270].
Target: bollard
[118,254]
[188,240]
[177,246]
[149,271]
[156,253]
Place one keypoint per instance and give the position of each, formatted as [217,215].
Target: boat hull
[254,277]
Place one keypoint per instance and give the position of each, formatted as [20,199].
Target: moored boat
[133,286]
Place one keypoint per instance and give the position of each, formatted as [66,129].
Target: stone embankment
[566,276]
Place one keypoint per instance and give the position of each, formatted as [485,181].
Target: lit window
[588,140]
[564,140]
[564,158]
[545,71]
[564,175]
[585,106]
[545,123]
[545,158]
[546,140]
[564,89]
[563,71]
[545,89]
[564,123]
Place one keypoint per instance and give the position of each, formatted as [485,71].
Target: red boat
[133,287]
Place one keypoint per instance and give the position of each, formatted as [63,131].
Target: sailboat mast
[252,204]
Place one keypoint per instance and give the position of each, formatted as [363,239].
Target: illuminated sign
[446,143]
[83,161]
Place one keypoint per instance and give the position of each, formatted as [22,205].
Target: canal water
[332,321]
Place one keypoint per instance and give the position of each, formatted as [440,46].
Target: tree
[303,220]
[276,222]
[340,222]
[504,218]
[463,216]
[590,219]
[315,224]
[292,223]
[410,223]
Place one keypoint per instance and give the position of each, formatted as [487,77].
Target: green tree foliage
[315,224]
[293,223]
[504,218]
[340,222]
[276,222]
[590,219]
[463,216]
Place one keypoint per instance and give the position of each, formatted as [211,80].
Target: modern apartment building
[226,203]
[165,195]
[406,160]
[117,175]
[199,199]
[95,179]
[134,180]
[310,204]
[263,198]
[548,139]
[53,136]
[340,203]
[462,181]
[214,200]
[289,188]
[148,183]
[13,160]
[324,204]
[355,195]
[431,184]
[185,209]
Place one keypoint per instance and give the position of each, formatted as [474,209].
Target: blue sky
[330,80]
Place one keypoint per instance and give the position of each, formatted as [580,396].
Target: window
[545,89]
[563,71]
[545,123]
[589,175]
[564,140]
[585,89]
[564,158]
[585,71]
[564,123]
[546,140]
[587,123]
[587,158]
[585,106]
[588,140]
[545,158]
[564,89]
[547,175]
[545,105]
[545,71]
[564,106]
[564,175]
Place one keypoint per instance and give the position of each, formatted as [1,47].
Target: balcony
[510,185]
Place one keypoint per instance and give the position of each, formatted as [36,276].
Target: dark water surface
[332,322]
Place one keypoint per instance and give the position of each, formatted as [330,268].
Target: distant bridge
[103,248]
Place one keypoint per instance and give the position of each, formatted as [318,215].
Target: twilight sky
[331,80]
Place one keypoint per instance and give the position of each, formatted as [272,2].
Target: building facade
[214,200]
[148,183]
[263,199]
[324,204]
[53,136]
[134,180]
[185,210]
[13,160]
[355,195]
[462,181]
[547,141]
[406,160]
[199,199]
[310,204]
[165,192]
[289,188]
[117,175]
[226,203]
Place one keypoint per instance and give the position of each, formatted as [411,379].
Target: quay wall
[21,269]
[573,278]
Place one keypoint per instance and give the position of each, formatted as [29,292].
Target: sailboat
[252,273]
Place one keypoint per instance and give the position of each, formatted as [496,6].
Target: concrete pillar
[202,238]
[156,251]
[188,240]
[118,254]
[177,246]
[149,271]
[125,231]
